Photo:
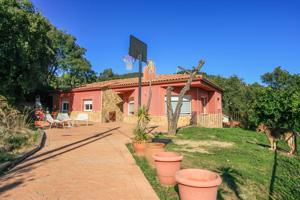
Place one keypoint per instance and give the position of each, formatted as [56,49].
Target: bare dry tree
[173,117]
[149,94]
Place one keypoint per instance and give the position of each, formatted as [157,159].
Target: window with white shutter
[186,107]
[131,107]
[87,105]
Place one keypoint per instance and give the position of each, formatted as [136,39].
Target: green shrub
[14,127]
[16,141]
[4,157]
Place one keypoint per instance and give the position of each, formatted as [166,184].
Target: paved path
[79,163]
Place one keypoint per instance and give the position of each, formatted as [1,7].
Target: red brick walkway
[79,163]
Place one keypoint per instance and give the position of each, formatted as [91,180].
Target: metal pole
[140,81]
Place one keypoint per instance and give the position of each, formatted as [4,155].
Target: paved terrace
[79,163]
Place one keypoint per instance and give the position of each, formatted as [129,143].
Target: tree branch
[173,117]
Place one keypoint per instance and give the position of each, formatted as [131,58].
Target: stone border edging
[38,145]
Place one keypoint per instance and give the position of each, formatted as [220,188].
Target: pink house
[116,100]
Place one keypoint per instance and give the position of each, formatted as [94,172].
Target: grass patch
[248,168]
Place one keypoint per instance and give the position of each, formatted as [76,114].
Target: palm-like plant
[140,134]
[143,116]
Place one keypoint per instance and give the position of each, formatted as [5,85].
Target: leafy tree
[277,79]
[238,99]
[108,74]
[278,105]
[35,55]
[252,93]
[25,49]
[278,108]
[69,63]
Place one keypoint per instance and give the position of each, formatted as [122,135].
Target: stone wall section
[203,120]
[111,103]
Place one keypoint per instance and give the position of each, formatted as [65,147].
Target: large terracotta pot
[167,164]
[197,184]
[151,149]
[139,148]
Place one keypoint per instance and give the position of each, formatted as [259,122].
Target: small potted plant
[139,140]
[140,134]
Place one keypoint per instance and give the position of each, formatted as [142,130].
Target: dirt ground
[201,146]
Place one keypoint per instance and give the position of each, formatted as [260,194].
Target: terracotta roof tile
[132,81]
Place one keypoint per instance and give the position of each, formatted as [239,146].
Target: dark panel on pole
[138,49]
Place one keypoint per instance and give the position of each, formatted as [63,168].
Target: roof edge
[213,84]
[144,83]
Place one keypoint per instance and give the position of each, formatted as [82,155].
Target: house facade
[117,100]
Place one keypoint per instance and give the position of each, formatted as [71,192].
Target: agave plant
[143,116]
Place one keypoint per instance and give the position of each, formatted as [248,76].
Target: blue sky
[245,38]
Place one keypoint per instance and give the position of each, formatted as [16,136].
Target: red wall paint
[76,100]
[157,106]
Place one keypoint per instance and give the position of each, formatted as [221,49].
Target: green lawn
[248,168]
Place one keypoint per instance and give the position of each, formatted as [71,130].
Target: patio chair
[53,121]
[64,118]
[82,117]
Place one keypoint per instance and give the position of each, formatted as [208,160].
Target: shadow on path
[71,144]
[10,186]
[25,168]
[87,141]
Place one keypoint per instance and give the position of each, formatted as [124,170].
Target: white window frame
[175,98]
[87,102]
[130,102]
[62,106]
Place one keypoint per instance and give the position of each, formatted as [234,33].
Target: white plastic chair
[82,117]
[53,121]
[64,117]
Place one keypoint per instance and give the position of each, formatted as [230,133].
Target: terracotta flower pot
[167,164]
[41,123]
[139,148]
[197,184]
[151,149]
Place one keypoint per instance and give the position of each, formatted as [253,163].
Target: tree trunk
[169,109]
[173,117]
[149,95]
